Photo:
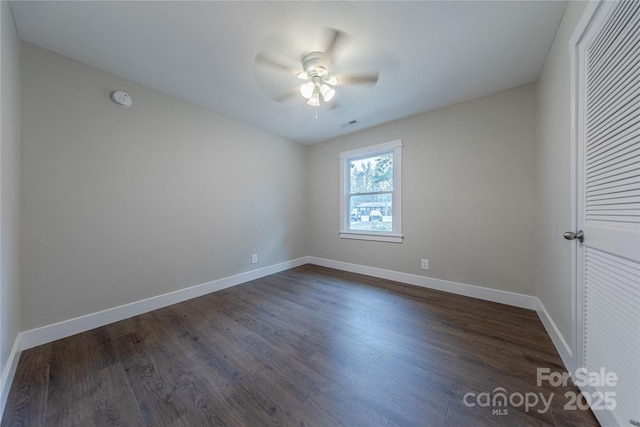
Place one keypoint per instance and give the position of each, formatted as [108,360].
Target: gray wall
[553,161]
[9,204]
[468,187]
[123,204]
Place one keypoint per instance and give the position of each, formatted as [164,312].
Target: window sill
[379,237]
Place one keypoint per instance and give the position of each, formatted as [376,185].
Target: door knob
[570,235]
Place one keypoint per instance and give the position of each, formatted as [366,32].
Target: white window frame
[394,235]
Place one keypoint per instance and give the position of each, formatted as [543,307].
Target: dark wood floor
[309,346]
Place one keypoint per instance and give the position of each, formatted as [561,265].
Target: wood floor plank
[114,403]
[397,399]
[219,367]
[27,399]
[269,402]
[310,346]
[155,398]
[72,380]
[194,386]
[310,414]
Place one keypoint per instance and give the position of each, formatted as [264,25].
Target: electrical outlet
[424,264]
[254,259]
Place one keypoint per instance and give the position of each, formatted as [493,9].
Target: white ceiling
[429,54]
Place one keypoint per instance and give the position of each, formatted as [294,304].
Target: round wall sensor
[121,98]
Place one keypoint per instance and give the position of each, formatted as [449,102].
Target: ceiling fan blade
[287,96]
[268,61]
[367,79]
[336,38]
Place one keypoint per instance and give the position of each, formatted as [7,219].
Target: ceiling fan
[318,82]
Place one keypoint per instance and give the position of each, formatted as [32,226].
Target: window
[370,193]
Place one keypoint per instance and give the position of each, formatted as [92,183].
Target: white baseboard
[8,372]
[487,294]
[564,350]
[66,328]
[49,333]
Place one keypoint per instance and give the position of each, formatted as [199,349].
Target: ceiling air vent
[350,123]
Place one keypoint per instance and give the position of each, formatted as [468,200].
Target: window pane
[372,174]
[371,212]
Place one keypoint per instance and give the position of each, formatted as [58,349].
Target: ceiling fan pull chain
[316,113]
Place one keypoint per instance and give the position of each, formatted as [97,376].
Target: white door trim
[577,82]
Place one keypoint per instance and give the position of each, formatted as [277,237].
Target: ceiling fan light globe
[327,92]
[306,89]
[314,101]
[333,80]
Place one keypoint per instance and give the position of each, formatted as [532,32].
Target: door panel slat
[622,118]
[602,40]
[623,150]
[616,80]
[617,140]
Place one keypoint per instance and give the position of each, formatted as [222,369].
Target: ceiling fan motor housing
[313,64]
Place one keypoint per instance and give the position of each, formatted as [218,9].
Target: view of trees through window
[371,193]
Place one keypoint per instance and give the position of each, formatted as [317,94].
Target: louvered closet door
[609,202]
